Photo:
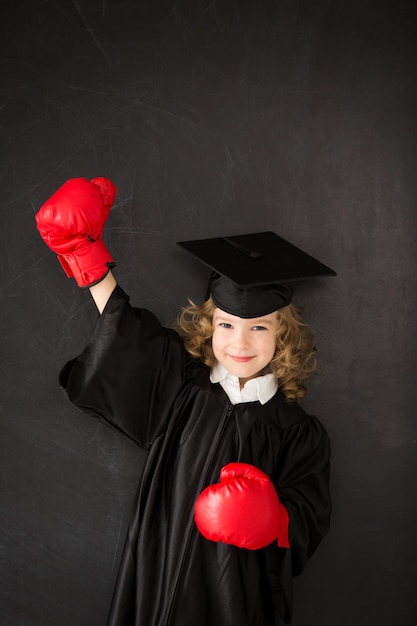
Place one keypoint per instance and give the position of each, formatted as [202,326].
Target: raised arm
[71,224]
[102,291]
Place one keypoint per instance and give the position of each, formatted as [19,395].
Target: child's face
[244,346]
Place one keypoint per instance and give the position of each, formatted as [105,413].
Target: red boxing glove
[243,509]
[71,224]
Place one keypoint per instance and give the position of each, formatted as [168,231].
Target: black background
[211,118]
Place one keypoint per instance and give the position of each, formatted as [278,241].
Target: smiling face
[244,346]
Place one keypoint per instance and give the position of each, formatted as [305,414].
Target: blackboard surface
[212,118]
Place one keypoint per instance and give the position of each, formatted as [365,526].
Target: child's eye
[225,325]
[259,328]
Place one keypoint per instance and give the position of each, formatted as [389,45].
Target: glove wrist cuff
[88,264]
[283,526]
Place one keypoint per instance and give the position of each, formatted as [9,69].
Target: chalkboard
[212,118]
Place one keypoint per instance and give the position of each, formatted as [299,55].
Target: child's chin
[242,372]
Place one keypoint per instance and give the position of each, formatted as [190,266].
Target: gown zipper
[224,421]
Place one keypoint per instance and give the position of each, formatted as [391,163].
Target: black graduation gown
[136,375]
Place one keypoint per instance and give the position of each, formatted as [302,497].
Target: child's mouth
[241,359]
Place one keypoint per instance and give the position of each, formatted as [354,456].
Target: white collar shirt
[261,388]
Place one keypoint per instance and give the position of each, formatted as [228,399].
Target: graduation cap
[252,274]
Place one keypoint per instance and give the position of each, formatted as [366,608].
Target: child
[216,400]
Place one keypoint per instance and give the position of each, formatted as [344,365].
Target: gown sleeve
[302,482]
[130,372]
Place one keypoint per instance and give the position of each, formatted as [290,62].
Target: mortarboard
[252,274]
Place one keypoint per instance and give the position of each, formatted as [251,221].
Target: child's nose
[242,339]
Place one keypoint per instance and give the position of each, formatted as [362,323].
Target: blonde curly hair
[295,355]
